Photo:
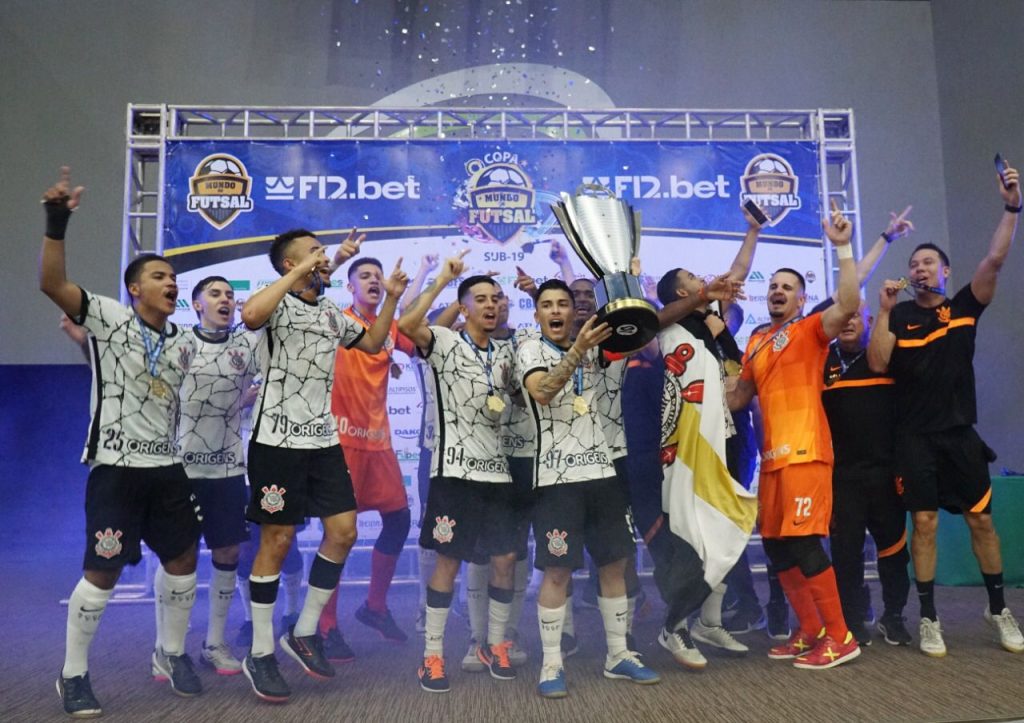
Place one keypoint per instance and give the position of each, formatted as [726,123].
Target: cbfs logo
[220,189]
[497,198]
[769,181]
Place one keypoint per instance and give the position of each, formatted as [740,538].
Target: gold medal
[159,388]
[495,403]
[732,368]
[396,370]
[579,405]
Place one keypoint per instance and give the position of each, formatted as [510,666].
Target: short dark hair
[363,261]
[667,286]
[279,247]
[797,274]
[134,269]
[201,286]
[556,284]
[472,281]
[931,247]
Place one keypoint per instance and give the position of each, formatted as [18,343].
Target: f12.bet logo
[497,198]
[769,181]
[220,189]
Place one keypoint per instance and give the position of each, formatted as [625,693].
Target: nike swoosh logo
[911,327]
[834,369]
[182,592]
[90,610]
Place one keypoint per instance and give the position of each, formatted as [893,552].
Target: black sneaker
[862,634]
[431,675]
[266,679]
[570,646]
[495,657]
[307,651]
[778,621]
[383,623]
[243,638]
[178,669]
[76,694]
[335,648]
[894,629]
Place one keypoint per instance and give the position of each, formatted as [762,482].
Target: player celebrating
[296,467]
[137,489]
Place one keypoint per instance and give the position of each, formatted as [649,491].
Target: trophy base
[634,323]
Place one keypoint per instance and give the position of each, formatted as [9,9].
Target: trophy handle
[594,189]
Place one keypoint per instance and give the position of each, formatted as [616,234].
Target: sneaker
[243,638]
[717,636]
[930,634]
[421,621]
[798,644]
[1008,630]
[894,630]
[335,648]
[383,623]
[472,663]
[179,671]
[681,645]
[828,653]
[570,646]
[431,675]
[516,655]
[552,682]
[495,657]
[778,621]
[745,620]
[220,658]
[307,651]
[627,666]
[265,678]
[76,694]
[862,633]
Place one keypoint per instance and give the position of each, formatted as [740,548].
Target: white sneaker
[930,634]
[718,637]
[472,663]
[680,644]
[220,658]
[1009,631]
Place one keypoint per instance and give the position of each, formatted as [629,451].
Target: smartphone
[1001,166]
[754,210]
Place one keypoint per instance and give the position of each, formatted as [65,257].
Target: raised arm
[882,341]
[427,264]
[394,286]
[348,248]
[59,202]
[983,284]
[561,258]
[899,226]
[545,386]
[261,305]
[721,288]
[740,268]
[413,322]
[839,231]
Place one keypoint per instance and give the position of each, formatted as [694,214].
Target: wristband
[57,215]
[1013,209]
[844,252]
[888,239]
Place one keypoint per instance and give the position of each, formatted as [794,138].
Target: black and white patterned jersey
[210,428]
[133,424]
[519,433]
[609,405]
[297,366]
[571,447]
[468,444]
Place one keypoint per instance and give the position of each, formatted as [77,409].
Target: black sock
[994,584]
[926,594]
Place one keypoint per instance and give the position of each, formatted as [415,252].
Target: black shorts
[622,474]
[567,517]
[223,504]
[125,506]
[289,485]
[866,499]
[947,469]
[466,517]
[521,501]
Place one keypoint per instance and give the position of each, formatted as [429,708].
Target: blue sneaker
[552,682]
[627,666]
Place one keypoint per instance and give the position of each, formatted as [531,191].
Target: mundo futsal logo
[769,181]
[497,199]
[219,189]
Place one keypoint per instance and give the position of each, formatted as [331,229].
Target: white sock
[427,561]
[178,599]
[85,608]
[242,586]
[519,583]
[158,604]
[316,598]
[613,614]
[222,589]
[551,622]
[476,600]
[630,613]
[711,609]
[292,584]
[433,637]
[497,620]
[569,622]
[262,622]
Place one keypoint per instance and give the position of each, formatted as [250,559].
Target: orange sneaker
[799,643]
[828,653]
[431,675]
[495,657]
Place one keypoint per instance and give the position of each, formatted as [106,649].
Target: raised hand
[525,283]
[899,226]
[724,288]
[394,285]
[1009,187]
[888,294]
[590,335]
[837,227]
[349,247]
[454,266]
[61,193]
[429,262]
[557,252]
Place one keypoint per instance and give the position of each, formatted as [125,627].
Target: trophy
[605,234]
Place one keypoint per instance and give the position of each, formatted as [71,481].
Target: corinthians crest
[498,197]
[220,189]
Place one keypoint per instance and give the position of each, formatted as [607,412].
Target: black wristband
[57,215]
[1013,209]
[887,237]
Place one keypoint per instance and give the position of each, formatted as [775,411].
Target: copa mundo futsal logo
[220,189]
[769,181]
[497,198]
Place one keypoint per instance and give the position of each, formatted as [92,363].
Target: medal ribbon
[577,375]
[359,314]
[486,365]
[152,350]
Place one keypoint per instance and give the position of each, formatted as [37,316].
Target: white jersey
[297,366]
[468,444]
[571,447]
[519,433]
[210,429]
[609,406]
[134,419]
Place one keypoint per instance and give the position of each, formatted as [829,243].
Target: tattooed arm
[545,386]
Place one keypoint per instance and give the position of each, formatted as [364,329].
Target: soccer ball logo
[221,165]
[501,176]
[769,181]
[219,189]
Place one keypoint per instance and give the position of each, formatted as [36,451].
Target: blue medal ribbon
[577,375]
[152,350]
